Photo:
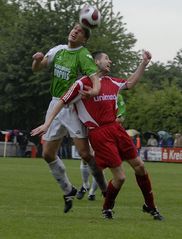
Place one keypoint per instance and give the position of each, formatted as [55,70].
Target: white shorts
[66,121]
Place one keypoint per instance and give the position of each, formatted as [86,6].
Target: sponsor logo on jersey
[61,72]
[105,97]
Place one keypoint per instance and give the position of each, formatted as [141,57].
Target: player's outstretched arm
[135,77]
[39,61]
[42,129]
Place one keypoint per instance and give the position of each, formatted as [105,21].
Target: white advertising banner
[151,153]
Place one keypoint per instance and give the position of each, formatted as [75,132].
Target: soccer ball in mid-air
[90,17]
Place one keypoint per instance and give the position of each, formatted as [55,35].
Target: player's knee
[140,168]
[119,181]
[85,155]
[48,157]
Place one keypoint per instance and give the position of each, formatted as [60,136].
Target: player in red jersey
[108,138]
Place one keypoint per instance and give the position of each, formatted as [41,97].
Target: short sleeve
[87,64]
[52,52]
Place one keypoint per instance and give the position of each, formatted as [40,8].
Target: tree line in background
[28,26]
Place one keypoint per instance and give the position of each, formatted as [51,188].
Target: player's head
[102,60]
[78,36]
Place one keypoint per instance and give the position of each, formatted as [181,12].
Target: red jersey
[101,109]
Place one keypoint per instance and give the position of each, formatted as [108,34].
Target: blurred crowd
[160,139]
[22,139]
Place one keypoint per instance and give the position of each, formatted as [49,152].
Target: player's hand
[146,57]
[42,129]
[88,92]
[38,56]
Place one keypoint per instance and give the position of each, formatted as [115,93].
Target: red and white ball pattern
[90,17]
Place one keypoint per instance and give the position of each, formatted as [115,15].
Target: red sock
[111,195]
[146,188]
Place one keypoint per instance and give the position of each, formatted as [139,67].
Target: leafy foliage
[155,110]
[28,26]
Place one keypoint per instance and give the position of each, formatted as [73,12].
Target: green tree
[155,110]
[35,27]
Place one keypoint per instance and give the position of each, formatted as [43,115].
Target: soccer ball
[90,17]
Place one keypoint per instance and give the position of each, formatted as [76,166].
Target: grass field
[31,204]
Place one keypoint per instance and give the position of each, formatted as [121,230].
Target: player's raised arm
[39,61]
[134,78]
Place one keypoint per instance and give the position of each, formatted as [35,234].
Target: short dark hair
[97,54]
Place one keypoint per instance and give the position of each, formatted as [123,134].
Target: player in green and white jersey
[66,63]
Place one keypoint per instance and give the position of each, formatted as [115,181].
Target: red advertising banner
[161,154]
[172,155]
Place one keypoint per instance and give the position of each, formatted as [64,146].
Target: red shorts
[111,145]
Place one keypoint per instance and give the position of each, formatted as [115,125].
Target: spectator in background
[138,143]
[22,140]
[152,141]
[177,140]
[170,142]
[161,142]
[65,150]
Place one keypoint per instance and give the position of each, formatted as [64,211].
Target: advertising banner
[151,153]
[172,155]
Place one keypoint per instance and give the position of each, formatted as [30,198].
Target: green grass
[31,204]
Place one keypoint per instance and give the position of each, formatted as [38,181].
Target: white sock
[93,187]
[59,172]
[85,172]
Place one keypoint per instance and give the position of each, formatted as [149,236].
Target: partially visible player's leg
[83,148]
[145,185]
[78,132]
[93,188]
[85,173]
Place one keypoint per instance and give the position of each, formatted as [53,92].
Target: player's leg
[78,132]
[93,188]
[52,140]
[144,182]
[56,165]
[85,173]
[113,189]
[83,148]
[58,170]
